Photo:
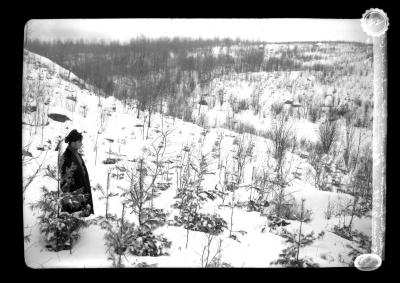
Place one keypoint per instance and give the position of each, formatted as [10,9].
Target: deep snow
[255,249]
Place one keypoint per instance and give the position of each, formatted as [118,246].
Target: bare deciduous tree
[282,136]
[319,174]
[348,142]
[328,134]
[208,257]
[243,151]
[29,180]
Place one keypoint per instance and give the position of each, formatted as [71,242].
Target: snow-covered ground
[255,248]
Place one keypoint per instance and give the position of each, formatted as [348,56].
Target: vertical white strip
[379,146]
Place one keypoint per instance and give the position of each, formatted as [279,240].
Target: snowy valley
[262,194]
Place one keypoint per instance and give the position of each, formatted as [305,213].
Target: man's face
[76,144]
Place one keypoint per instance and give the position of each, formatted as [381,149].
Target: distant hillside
[173,76]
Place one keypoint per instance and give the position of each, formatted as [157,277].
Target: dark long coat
[74,177]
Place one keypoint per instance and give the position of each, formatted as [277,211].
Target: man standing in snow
[75,178]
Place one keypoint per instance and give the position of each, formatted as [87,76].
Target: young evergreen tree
[60,230]
[106,194]
[191,194]
[145,183]
[119,236]
[290,257]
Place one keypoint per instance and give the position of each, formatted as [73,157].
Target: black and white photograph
[198,143]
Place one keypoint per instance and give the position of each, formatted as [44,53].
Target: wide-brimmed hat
[73,136]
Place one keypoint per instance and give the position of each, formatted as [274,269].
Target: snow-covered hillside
[111,130]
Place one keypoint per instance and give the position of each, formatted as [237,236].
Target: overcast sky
[258,29]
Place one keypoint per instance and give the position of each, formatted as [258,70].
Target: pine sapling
[59,230]
[121,231]
[192,195]
[290,256]
[119,237]
[301,223]
[143,182]
[242,152]
[107,194]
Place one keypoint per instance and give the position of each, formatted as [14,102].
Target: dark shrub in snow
[148,244]
[276,108]
[243,105]
[243,127]
[119,235]
[153,218]
[363,245]
[61,231]
[123,236]
[111,160]
[207,223]
[274,222]
[343,232]
[314,113]
[289,257]
[328,135]
[291,212]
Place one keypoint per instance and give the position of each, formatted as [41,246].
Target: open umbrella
[58,117]
[58,114]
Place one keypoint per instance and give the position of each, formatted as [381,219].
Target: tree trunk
[108,184]
[41,140]
[144,123]
[177,184]
[140,214]
[70,245]
[95,159]
[162,114]
[251,187]
[232,206]
[353,212]
[58,178]
[138,111]
[148,124]
[187,230]
[121,229]
[299,241]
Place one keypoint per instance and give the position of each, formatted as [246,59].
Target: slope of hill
[111,130]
